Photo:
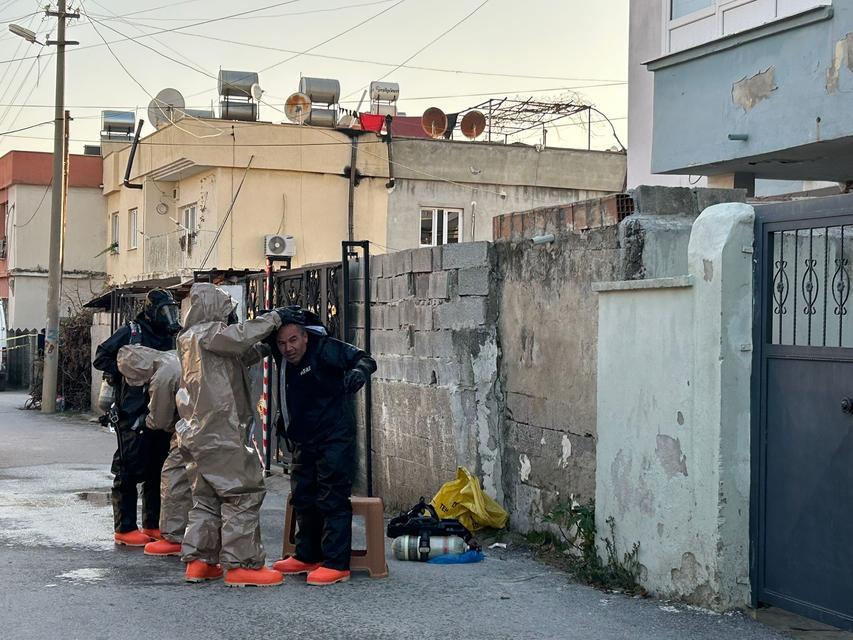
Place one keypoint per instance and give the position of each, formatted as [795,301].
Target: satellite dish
[166,107]
[256,92]
[434,122]
[473,124]
[297,108]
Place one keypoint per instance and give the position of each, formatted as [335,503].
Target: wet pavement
[61,575]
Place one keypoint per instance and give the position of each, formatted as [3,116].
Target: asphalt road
[62,577]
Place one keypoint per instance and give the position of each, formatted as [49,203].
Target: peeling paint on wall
[566,452]
[671,458]
[748,92]
[841,57]
[524,461]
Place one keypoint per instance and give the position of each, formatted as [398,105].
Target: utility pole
[54,278]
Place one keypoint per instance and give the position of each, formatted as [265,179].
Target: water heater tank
[322,117]
[384,91]
[321,90]
[117,125]
[236,83]
[245,111]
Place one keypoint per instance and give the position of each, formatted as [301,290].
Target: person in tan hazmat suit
[215,408]
[161,371]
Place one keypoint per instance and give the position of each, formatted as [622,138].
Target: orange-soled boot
[162,548]
[200,571]
[154,534]
[262,577]
[324,576]
[133,538]
[292,566]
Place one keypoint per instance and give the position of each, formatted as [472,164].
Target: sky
[473,50]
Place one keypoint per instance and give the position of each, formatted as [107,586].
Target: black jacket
[132,402]
[316,400]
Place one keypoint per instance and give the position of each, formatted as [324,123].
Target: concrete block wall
[436,390]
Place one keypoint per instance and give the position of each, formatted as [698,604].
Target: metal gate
[802,439]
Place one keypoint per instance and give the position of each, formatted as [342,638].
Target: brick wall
[577,216]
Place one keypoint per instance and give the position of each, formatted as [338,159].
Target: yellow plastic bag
[464,500]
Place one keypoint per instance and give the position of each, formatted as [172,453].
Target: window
[440,226]
[681,8]
[189,223]
[132,231]
[689,23]
[114,227]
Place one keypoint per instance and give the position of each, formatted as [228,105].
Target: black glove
[354,380]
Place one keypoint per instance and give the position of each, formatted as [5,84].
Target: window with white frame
[440,226]
[132,229]
[689,23]
[114,231]
[189,222]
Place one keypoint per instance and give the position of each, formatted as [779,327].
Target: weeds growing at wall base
[576,544]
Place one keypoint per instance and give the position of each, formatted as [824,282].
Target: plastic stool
[371,559]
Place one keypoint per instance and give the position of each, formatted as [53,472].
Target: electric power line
[32,126]
[278,15]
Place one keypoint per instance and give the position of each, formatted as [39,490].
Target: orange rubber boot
[133,538]
[324,576]
[292,566]
[162,548]
[200,571]
[262,577]
[154,534]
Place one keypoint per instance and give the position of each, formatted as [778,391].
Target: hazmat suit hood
[161,371]
[208,303]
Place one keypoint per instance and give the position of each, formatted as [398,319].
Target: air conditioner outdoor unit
[279,246]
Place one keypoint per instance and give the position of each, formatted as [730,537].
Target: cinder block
[424,317]
[439,288]
[391,316]
[403,286]
[378,265]
[437,260]
[401,262]
[422,260]
[407,313]
[466,254]
[422,286]
[397,342]
[474,281]
[463,313]
[384,290]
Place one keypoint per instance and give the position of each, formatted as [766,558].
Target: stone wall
[436,393]
[548,329]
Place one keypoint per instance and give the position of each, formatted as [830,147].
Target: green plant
[576,524]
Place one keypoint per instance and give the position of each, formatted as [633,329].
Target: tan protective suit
[215,407]
[161,371]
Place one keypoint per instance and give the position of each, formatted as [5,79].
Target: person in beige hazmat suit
[215,407]
[161,371]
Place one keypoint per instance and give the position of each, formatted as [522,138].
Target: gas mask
[162,311]
[169,317]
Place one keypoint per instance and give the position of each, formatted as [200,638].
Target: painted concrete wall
[785,90]
[28,298]
[673,443]
[645,43]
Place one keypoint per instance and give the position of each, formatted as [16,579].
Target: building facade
[192,213]
[744,92]
[25,201]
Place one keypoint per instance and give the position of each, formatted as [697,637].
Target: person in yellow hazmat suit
[160,371]
[215,407]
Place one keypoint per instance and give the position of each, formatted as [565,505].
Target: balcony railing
[172,253]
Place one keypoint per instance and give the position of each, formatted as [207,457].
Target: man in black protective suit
[317,374]
[141,452]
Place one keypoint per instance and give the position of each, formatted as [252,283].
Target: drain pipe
[127,182]
[352,182]
[391,181]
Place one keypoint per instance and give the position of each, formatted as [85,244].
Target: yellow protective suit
[215,407]
[161,371]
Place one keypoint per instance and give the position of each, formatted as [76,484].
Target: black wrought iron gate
[802,444]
